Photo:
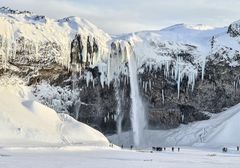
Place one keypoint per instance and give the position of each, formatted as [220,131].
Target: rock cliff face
[234,29]
[185,72]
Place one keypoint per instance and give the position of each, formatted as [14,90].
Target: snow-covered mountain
[73,66]
[44,40]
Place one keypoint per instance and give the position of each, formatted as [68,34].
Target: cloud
[134,15]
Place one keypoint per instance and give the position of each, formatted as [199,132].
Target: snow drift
[24,121]
[221,130]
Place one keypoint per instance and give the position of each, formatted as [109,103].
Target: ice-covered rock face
[234,29]
[31,38]
[77,68]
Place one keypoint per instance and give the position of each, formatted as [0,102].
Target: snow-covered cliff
[75,67]
[30,38]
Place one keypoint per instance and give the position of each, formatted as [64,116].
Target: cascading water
[77,103]
[137,109]
[119,109]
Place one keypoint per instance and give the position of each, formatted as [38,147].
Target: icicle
[93,83]
[172,73]
[163,99]
[167,70]
[193,81]
[182,117]
[89,78]
[178,85]
[178,76]
[109,71]
[150,85]
[203,67]
[145,87]
[84,51]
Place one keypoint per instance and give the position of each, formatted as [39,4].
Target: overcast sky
[121,16]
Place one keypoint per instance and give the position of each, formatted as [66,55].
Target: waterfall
[119,111]
[76,109]
[137,109]
[77,103]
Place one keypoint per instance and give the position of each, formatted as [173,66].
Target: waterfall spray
[77,103]
[137,109]
[119,111]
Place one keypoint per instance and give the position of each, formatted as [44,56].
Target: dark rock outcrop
[234,29]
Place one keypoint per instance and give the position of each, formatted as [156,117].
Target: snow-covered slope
[221,130]
[24,121]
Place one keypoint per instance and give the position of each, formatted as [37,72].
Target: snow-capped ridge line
[7,10]
[198,27]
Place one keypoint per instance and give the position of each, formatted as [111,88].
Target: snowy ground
[35,136]
[95,157]
[219,131]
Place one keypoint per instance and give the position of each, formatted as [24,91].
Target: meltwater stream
[137,108]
